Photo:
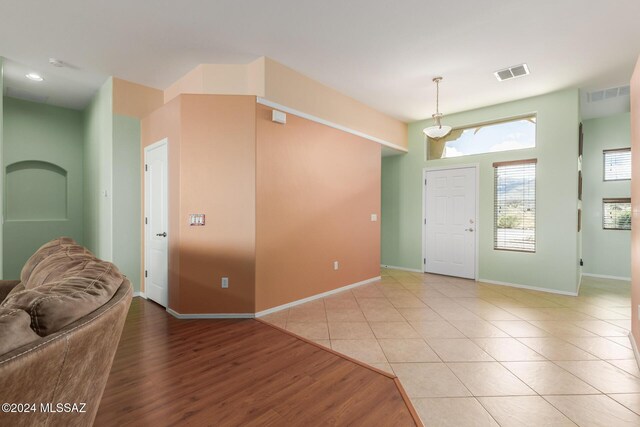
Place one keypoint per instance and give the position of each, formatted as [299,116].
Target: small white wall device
[196,219]
[278,117]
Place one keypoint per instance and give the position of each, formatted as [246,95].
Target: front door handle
[162,234]
[468,229]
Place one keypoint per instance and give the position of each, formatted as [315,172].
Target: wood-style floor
[238,373]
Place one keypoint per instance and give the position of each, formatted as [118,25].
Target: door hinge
[425,221]
[145,273]
[424,261]
[146,220]
[146,167]
[425,181]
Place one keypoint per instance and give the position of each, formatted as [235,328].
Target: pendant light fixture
[438,130]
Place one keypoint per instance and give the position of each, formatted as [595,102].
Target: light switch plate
[196,219]
[374,217]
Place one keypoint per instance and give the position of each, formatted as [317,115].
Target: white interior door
[450,222]
[156,222]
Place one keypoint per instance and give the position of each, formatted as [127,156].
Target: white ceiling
[383,53]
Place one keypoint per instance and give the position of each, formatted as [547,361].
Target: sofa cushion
[70,258]
[19,287]
[43,252]
[75,293]
[15,330]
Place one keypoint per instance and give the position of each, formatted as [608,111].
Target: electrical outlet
[336,265]
[225,282]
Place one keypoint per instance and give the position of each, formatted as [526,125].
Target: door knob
[162,234]
[468,229]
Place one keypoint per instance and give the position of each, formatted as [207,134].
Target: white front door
[156,222]
[450,222]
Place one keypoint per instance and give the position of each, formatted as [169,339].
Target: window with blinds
[515,206]
[617,164]
[616,214]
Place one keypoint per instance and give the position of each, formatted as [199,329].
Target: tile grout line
[456,302]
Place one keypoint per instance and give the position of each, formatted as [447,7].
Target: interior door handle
[162,234]
[468,229]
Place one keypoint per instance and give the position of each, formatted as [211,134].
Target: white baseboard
[314,297]
[211,315]
[531,288]
[604,276]
[270,310]
[634,346]
[139,294]
[395,267]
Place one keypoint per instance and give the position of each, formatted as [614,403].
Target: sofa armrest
[6,286]
[70,365]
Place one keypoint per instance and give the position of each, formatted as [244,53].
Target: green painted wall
[98,173]
[112,184]
[127,197]
[605,252]
[555,264]
[42,201]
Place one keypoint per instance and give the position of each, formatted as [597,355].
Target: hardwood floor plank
[230,372]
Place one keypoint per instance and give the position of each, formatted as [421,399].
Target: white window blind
[617,164]
[616,214]
[515,206]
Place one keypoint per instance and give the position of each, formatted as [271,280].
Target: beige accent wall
[192,82]
[316,190]
[221,79]
[635,202]
[267,78]
[132,99]
[211,171]
[255,76]
[290,88]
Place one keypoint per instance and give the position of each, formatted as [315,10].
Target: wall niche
[35,191]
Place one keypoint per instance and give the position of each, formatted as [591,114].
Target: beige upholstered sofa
[59,329]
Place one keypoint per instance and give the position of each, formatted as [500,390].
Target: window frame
[604,163]
[496,165]
[533,114]
[612,200]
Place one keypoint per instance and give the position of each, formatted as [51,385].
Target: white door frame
[164,141]
[475,166]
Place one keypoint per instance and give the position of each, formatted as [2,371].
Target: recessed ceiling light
[34,76]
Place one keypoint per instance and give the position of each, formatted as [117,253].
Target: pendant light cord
[437,96]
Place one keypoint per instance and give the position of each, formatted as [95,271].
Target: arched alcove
[36,190]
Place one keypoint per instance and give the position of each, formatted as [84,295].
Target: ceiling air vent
[512,72]
[600,95]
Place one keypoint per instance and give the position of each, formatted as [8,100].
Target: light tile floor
[474,354]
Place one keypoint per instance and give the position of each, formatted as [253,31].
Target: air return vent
[601,95]
[512,72]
